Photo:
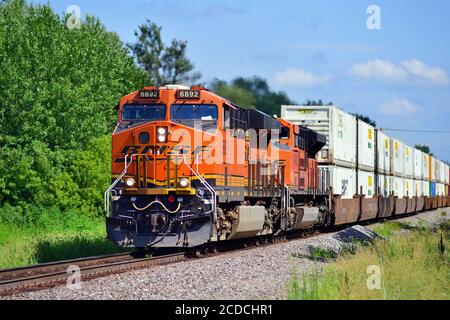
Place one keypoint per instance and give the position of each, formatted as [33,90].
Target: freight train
[192,169]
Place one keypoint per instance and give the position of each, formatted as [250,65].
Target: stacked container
[418,167]
[409,162]
[338,156]
[366,183]
[356,151]
[338,126]
[384,153]
[366,159]
[398,186]
[397,158]
[342,180]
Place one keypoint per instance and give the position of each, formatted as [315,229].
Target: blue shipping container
[432,189]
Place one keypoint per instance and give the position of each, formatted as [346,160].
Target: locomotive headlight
[161,138]
[130,182]
[184,183]
[162,134]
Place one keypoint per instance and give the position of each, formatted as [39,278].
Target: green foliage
[314,103]
[250,93]
[424,148]
[321,254]
[365,119]
[235,94]
[59,88]
[55,236]
[413,266]
[163,64]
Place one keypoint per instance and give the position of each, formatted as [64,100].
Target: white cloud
[300,78]
[399,107]
[419,69]
[412,70]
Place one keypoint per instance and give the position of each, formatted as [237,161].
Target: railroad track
[52,274]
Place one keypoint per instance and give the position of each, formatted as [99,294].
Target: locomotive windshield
[143,112]
[202,112]
[190,114]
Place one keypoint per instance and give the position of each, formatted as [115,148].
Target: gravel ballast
[257,273]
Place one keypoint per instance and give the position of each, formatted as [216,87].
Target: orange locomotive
[191,168]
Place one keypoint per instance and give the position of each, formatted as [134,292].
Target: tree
[252,92]
[58,92]
[163,64]
[314,103]
[424,148]
[148,50]
[235,94]
[366,119]
[176,66]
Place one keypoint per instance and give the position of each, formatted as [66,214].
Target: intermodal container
[384,185]
[418,167]
[432,189]
[426,188]
[432,169]
[366,183]
[342,180]
[384,153]
[398,186]
[409,162]
[397,158]
[409,188]
[337,125]
[426,166]
[366,146]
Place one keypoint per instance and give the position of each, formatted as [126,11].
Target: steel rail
[53,274]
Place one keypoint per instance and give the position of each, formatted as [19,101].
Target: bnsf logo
[161,150]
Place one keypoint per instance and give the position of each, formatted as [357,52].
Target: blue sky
[398,75]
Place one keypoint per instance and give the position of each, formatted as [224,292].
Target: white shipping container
[342,180]
[338,126]
[418,188]
[384,185]
[441,171]
[409,162]
[418,164]
[397,158]
[384,153]
[426,188]
[366,146]
[447,174]
[366,182]
[398,187]
[409,188]
[425,166]
[440,189]
[438,170]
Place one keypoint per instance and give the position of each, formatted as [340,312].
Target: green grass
[55,236]
[413,266]
[321,254]
[388,229]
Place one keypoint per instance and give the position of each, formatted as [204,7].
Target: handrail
[127,165]
[205,183]
[108,191]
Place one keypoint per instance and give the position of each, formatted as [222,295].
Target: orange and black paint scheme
[186,174]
